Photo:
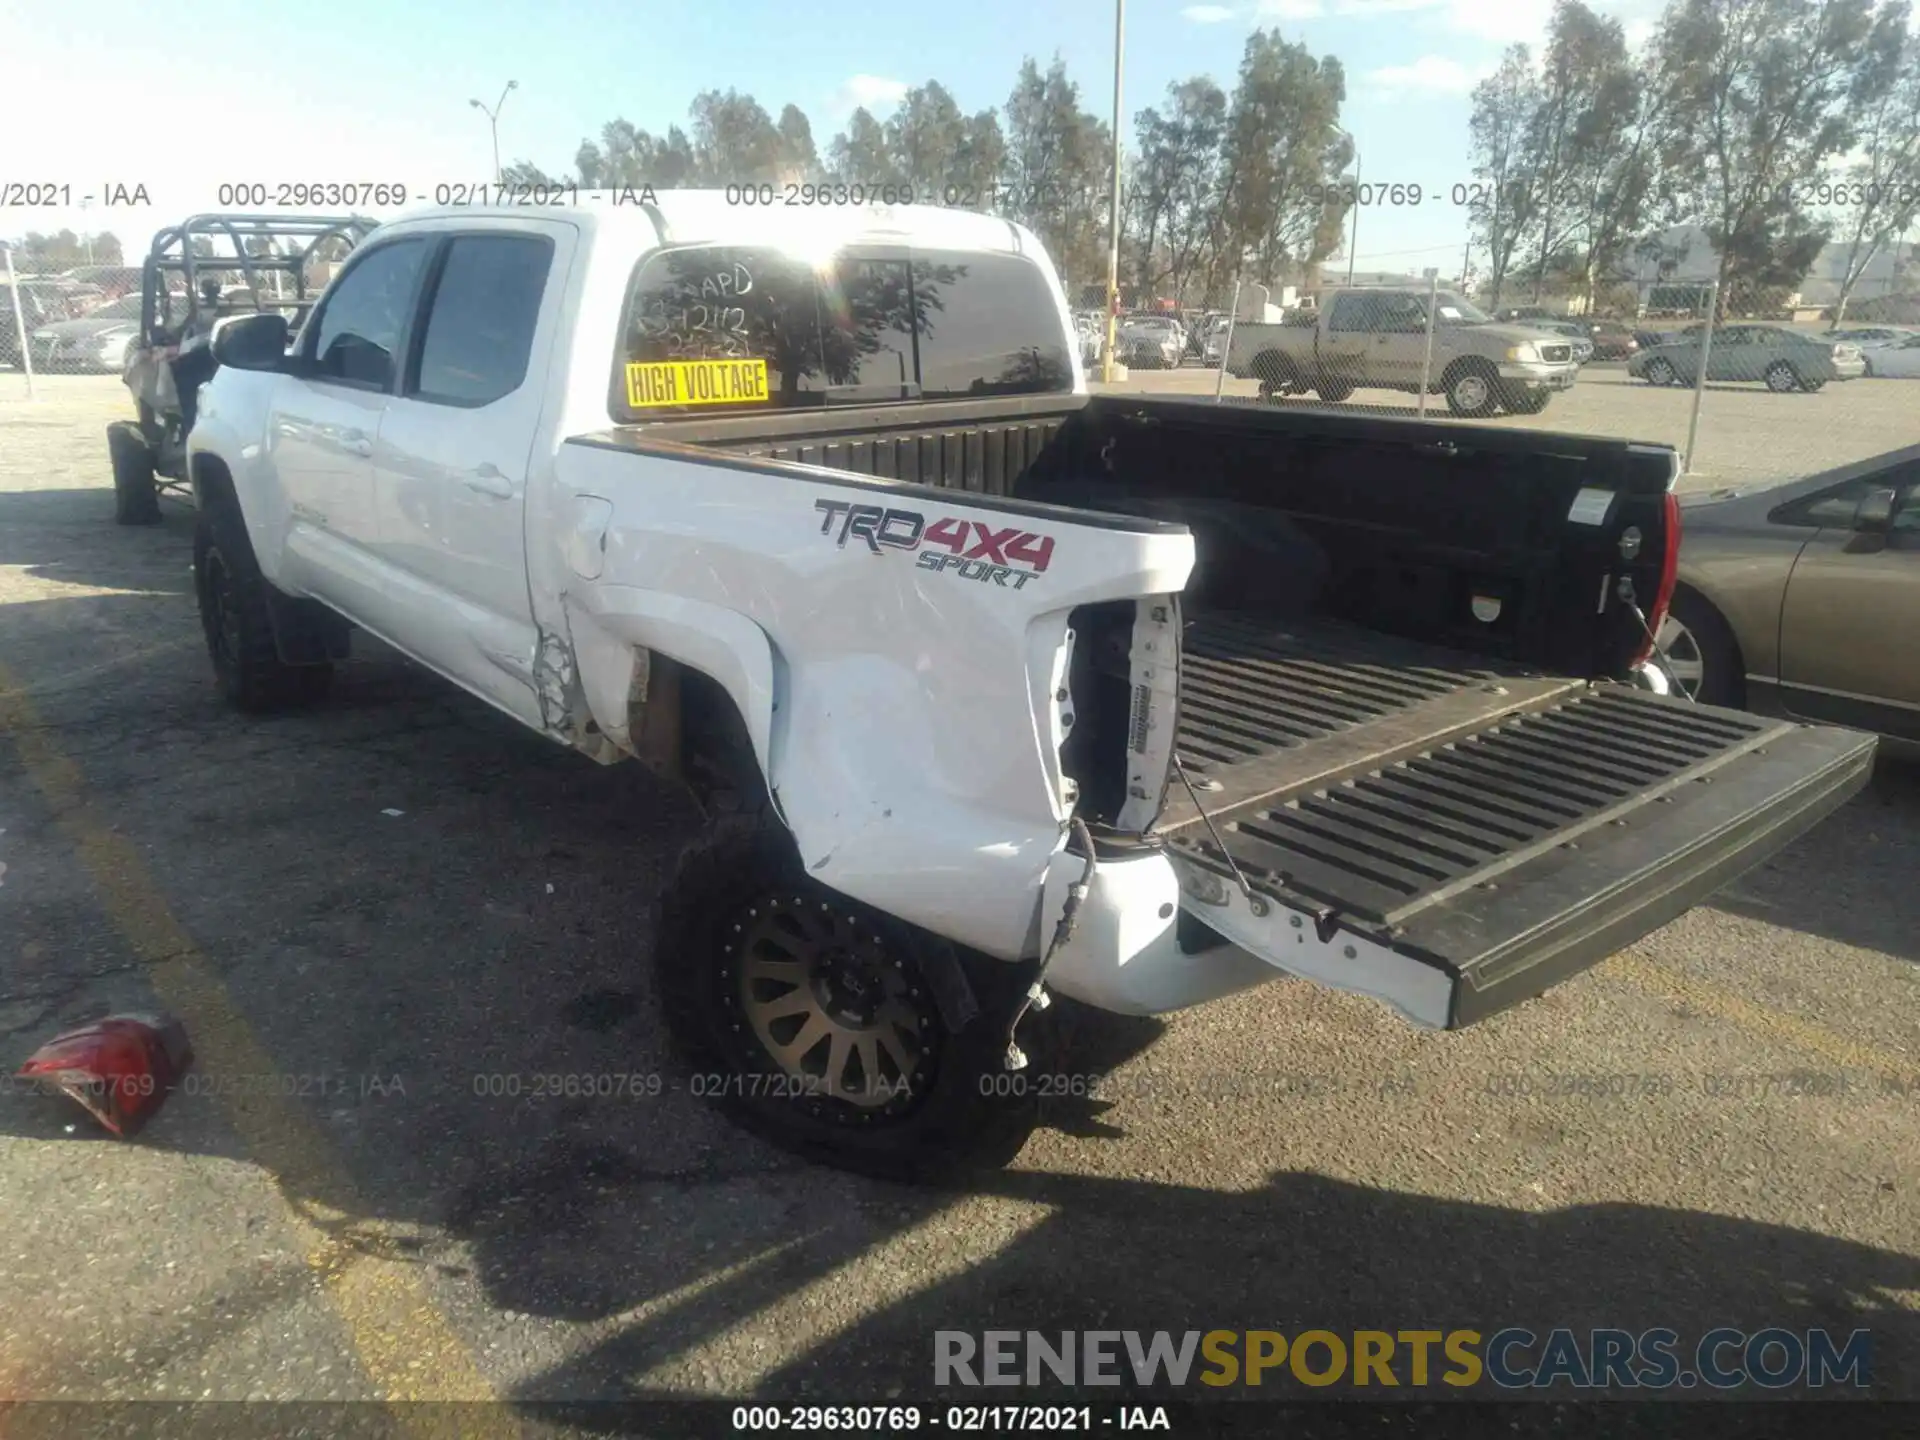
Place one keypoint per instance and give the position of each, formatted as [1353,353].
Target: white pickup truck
[990,688]
[1378,339]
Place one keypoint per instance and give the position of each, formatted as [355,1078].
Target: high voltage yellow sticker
[696,382]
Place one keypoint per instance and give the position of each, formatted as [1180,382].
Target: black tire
[236,616]
[1276,374]
[1524,401]
[1660,371]
[1333,391]
[1472,389]
[944,1118]
[1782,378]
[1867,373]
[136,497]
[1723,674]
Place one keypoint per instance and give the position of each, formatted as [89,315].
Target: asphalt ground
[1745,434]
[374,1192]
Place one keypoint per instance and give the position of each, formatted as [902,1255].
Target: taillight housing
[1669,575]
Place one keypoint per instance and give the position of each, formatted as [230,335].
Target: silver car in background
[1093,338]
[1149,342]
[1898,361]
[1213,339]
[1781,359]
[95,343]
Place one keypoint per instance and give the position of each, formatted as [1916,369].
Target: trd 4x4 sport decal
[974,549]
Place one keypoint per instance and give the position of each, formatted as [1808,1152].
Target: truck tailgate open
[1487,832]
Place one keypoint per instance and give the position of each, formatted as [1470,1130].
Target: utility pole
[493,121]
[1353,242]
[1113,246]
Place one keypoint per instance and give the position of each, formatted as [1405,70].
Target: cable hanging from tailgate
[1246,887]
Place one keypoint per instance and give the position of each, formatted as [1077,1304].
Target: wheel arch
[212,481]
[1695,594]
[648,663]
[1461,364]
[1272,366]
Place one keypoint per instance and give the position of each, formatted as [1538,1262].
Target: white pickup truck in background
[1377,339]
[989,687]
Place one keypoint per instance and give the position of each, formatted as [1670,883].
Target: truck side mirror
[1874,514]
[251,342]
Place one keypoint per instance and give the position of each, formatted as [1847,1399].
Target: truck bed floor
[1267,708]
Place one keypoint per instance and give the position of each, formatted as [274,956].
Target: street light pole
[19,318]
[1353,241]
[493,122]
[1113,247]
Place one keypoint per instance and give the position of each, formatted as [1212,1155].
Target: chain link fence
[1746,383]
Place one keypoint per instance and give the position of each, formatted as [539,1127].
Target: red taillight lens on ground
[120,1068]
[1669,575]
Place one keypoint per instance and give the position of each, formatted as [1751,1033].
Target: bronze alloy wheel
[831,1004]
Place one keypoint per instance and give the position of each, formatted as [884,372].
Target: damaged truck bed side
[990,687]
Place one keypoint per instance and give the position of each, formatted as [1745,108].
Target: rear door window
[987,326]
[726,330]
[484,311]
[1354,312]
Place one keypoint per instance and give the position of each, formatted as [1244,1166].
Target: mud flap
[305,632]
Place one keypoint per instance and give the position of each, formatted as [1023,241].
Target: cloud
[875,92]
[1429,75]
[1383,7]
[1502,21]
[1262,10]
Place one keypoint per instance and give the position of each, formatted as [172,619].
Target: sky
[115,93]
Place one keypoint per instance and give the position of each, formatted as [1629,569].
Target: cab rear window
[729,330]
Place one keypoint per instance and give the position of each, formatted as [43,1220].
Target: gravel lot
[1718,1127]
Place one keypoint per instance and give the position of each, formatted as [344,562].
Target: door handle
[358,443]
[487,480]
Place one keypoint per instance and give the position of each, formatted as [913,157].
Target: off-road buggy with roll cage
[195,273]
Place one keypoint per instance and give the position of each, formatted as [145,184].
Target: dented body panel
[897,709]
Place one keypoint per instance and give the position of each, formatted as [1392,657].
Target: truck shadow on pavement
[1081,1252]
